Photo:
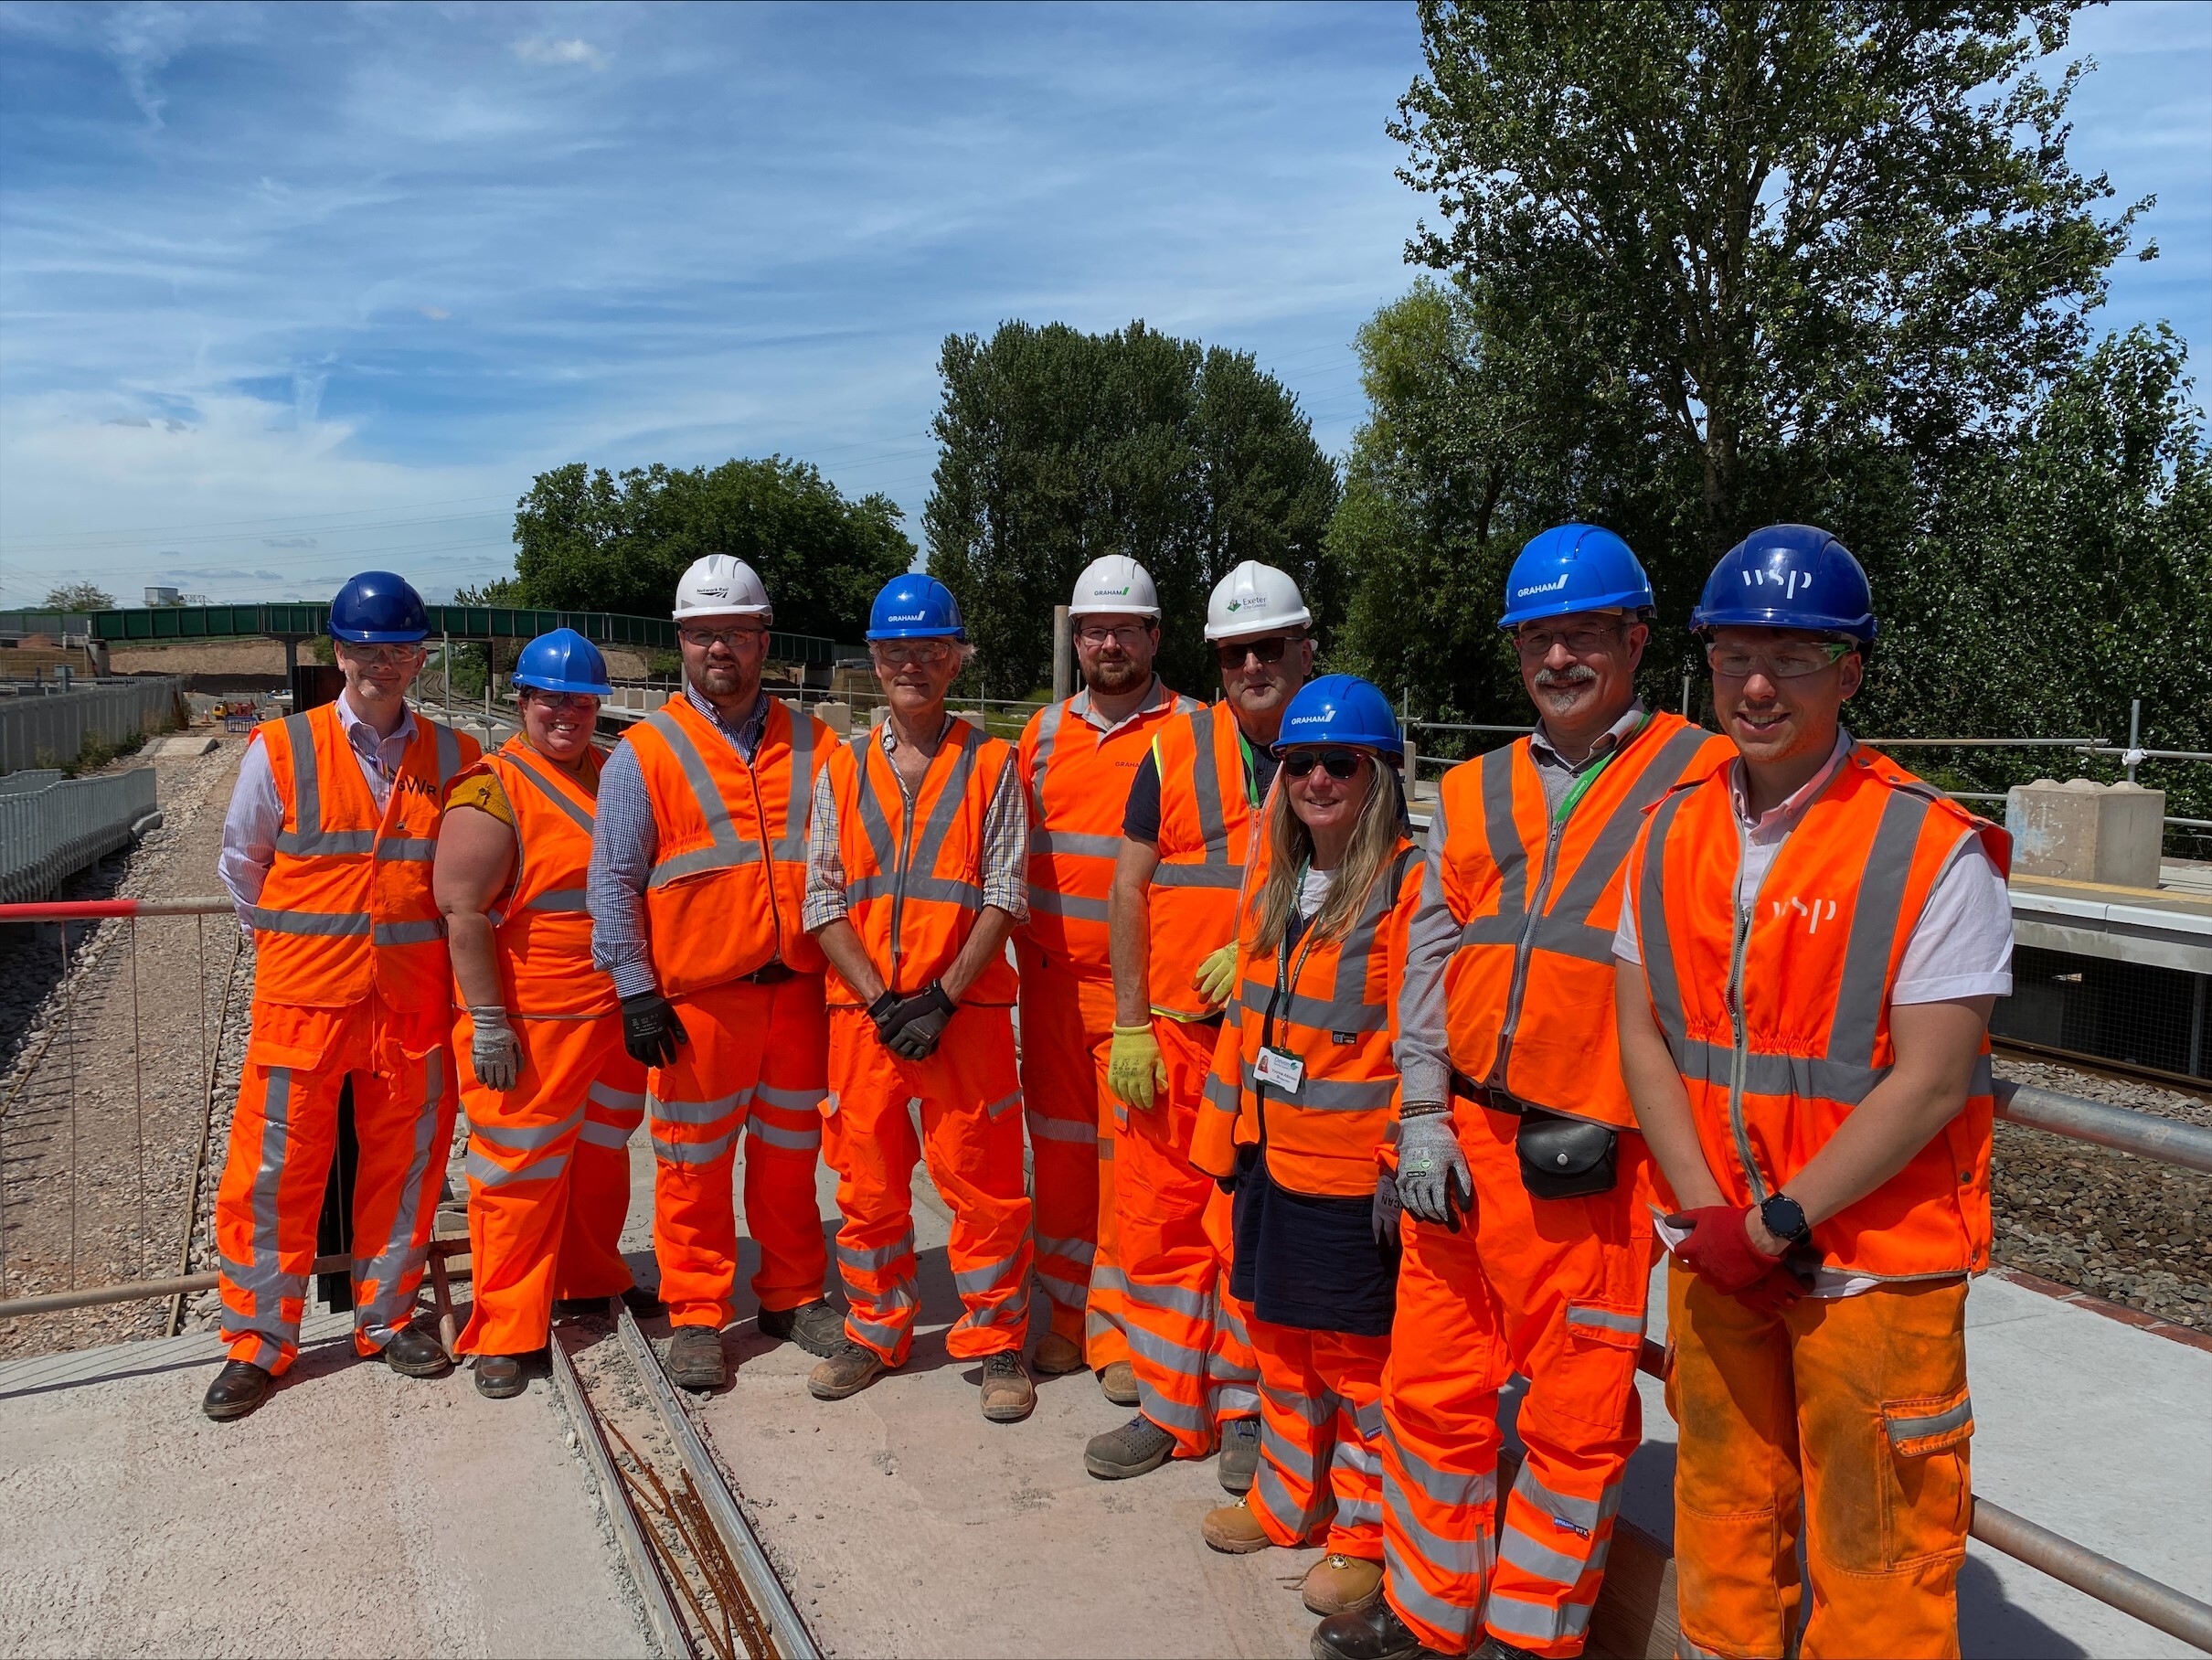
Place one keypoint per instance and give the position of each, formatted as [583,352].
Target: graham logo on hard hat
[1553,586]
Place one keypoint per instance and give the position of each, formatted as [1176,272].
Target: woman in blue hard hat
[1296,1114]
[551,1094]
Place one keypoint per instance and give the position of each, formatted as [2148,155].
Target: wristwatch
[1784,1217]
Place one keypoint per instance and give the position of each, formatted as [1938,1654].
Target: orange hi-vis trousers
[548,1169]
[1552,1289]
[972,1136]
[1320,1478]
[1843,1419]
[282,1135]
[756,1063]
[1066,1034]
[1187,1341]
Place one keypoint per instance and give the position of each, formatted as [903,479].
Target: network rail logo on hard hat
[713,593]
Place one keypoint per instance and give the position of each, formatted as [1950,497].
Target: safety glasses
[584,703]
[381,656]
[1129,636]
[1580,641]
[917,653]
[1231,654]
[1790,661]
[736,639]
[1339,764]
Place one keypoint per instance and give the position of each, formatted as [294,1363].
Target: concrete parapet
[2081,831]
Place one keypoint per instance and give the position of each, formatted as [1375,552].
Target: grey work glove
[493,1048]
[1433,1181]
[917,1023]
[1384,1217]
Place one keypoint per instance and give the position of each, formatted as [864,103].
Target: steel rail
[136,1291]
[2171,1140]
[793,1641]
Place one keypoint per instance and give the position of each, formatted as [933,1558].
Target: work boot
[1118,1383]
[500,1377]
[847,1372]
[1341,1585]
[1008,1395]
[1136,1448]
[414,1354]
[1234,1530]
[1239,1454]
[579,1308]
[238,1388]
[1056,1356]
[1373,1633]
[1498,1648]
[695,1358]
[644,1302]
[814,1327]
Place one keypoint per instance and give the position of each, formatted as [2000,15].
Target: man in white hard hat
[697,889]
[1186,835]
[1077,758]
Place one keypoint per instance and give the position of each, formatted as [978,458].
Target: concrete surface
[355,1513]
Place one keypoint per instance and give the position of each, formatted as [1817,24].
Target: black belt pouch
[1565,1158]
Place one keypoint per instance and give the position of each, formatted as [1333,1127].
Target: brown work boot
[1234,1529]
[1118,1383]
[1008,1395]
[1058,1355]
[695,1358]
[1341,1585]
[847,1372]
[238,1388]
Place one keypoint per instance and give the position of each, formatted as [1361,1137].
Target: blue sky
[288,291]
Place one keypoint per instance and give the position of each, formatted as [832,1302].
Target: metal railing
[50,729]
[51,826]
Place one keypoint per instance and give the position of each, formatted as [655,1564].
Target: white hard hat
[1255,598]
[723,586]
[1115,583]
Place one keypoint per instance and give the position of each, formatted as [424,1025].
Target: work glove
[1133,1067]
[920,1022]
[1719,1251]
[882,1011]
[1388,1208]
[1774,1292]
[651,1031]
[1217,975]
[493,1048]
[1433,1181]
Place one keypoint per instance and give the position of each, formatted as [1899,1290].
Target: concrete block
[838,717]
[2081,831]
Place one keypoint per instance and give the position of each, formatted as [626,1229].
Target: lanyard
[1251,771]
[1582,784]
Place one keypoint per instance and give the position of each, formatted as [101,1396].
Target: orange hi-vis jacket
[1079,785]
[541,930]
[347,908]
[726,894]
[1207,815]
[1778,1020]
[1528,996]
[913,879]
[1328,1003]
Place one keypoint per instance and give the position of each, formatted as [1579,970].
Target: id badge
[1279,1069]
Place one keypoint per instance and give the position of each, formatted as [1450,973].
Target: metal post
[445,661]
[1686,696]
[2134,734]
[1063,655]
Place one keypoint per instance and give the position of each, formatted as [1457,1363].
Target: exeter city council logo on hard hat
[1257,601]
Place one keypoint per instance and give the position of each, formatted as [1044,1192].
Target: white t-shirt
[1314,892]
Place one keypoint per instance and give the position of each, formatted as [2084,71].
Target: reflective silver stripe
[1362,1461]
[1934,1423]
[1004,1103]
[1588,1514]
[308,839]
[1075,1249]
[1067,1294]
[1047,902]
[1565,926]
[1406,1591]
[262,1277]
[1535,1620]
[566,901]
[1197,876]
[876,1259]
[789,1101]
[1358,1512]
[1011,1311]
[582,816]
[488,1174]
[696,1153]
[1166,1353]
[397,1268]
[408,934]
[1565,1568]
[799,802]
[616,1100]
[1339,1014]
[924,851]
[1219,1093]
[882,842]
[1651,929]
[1611,1320]
[1336,1094]
[709,1112]
[320,923]
[883,884]
[1073,1131]
[775,1135]
[727,849]
[526,1138]
[1190,1304]
[449,752]
[1235,1400]
[605,1135]
[1684,1649]
[875,1331]
[1300,1519]
[1164,1410]
[1875,918]
[1070,844]
[1505,836]
[1048,735]
[406,850]
[976,1281]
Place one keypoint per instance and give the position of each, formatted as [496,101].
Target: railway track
[2118,1072]
[710,1591]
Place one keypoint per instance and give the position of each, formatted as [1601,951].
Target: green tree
[589,540]
[78,596]
[1062,447]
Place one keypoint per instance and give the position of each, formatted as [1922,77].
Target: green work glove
[1133,1067]
[1217,976]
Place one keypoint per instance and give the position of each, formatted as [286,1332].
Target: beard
[1113,677]
[1560,689]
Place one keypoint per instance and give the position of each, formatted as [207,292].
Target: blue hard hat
[916,607]
[1788,575]
[377,608]
[1341,709]
[562,660]
[1572,567]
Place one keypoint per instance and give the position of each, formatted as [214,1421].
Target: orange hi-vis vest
[1079,785]
[1528,996]
[1206,836]
[1329,1003]
[541,929]
[727,893]
[1779,1019]
[913,875]
[347,908]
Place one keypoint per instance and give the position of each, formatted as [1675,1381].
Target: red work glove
[1719,1251]
[1775,1292]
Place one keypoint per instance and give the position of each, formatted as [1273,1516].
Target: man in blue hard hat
[1810,942]
[326,851]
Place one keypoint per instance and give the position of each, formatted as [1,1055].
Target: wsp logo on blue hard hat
[1572,567]
[916,606]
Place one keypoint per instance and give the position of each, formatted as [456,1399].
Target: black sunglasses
[1231,656]
[1340,765]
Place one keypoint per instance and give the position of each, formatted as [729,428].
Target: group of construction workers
[1330,1130]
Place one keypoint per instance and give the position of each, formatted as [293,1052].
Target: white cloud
[436,314]
[142,39]
[551,52]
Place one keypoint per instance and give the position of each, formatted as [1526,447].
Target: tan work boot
[849,1371]
[1118,1383]
[1058,1355]
[1234,1529]
[1339,1584]
[1008,1395]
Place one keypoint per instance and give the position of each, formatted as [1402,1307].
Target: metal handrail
[2171,1140]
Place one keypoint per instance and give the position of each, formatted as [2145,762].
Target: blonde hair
[1291,846]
